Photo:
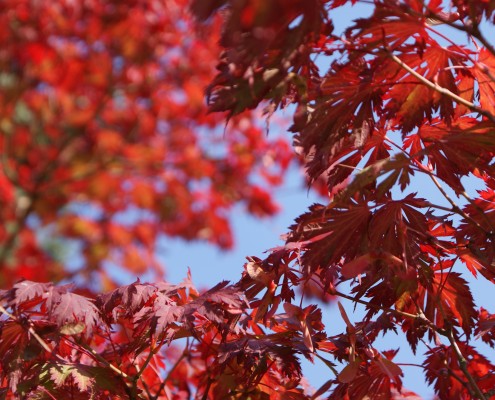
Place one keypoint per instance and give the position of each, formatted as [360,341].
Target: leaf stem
[368,304]
[386,309]
[410,365]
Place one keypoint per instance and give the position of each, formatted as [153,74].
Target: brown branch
[440,89]
[207,389]
[473,388]
[463,365]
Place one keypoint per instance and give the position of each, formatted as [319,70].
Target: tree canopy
[107,144]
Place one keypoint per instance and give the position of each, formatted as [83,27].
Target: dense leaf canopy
[106,142]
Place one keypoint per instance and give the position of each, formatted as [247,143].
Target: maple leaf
[340,110]
[484,76]
[476,248]
[127,299]
[24,291]
[328,234]
[442,363]
[86,379]
[224,294]
[368,176]
[257,354]
[307,321]
[71,308]
[485,328]
[458,149]
[220,305]
[14,341]
[388,26]
[274,42]
[377,379]
[411,107]
[87,140]
[166,316]
[60,373]
[445,299]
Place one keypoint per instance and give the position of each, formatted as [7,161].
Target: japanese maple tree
[106,141]
[404,96]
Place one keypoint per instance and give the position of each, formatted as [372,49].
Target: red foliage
[106,139]
[106,142]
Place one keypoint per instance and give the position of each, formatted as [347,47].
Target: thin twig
[410,365]
[141,369]
[475,31]
[473,388]
[463,365]
[365,303]
[176,364]
[31,330]
[455,207]
[441,89]
[115,369]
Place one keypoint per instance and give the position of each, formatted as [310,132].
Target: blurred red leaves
[102,107]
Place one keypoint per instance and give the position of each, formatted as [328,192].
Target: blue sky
[253,237]
[210,265]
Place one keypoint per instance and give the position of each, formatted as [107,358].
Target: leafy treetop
[400,103]
[106,141]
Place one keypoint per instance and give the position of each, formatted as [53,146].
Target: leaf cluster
[384,114]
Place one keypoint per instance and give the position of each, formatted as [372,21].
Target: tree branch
[463,365]
[440,89]
[98,357]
